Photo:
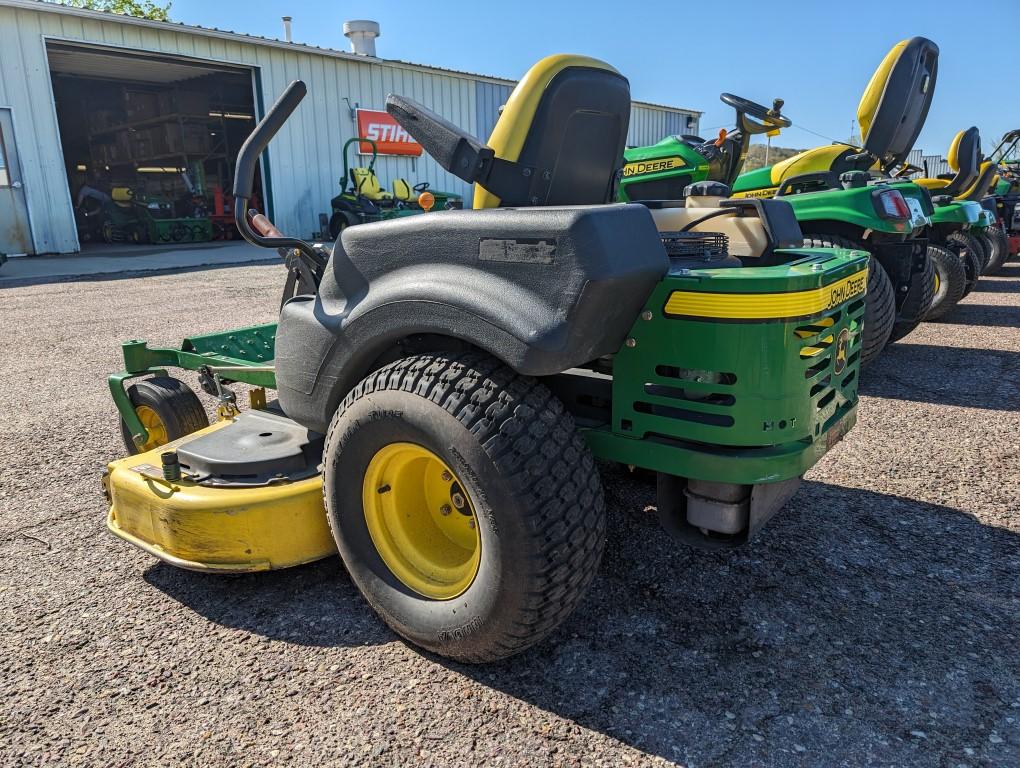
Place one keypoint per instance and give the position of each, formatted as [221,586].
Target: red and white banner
[389,137]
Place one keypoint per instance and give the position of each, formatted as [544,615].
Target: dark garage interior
[149,143]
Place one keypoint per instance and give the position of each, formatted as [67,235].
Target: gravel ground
[875,621]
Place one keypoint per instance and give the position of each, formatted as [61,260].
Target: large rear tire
[433,443]
[168,408]
[999,248]
[917,303]
[972,253]
[880,302]
[949,281]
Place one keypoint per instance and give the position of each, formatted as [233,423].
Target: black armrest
[453,148]
[777,218]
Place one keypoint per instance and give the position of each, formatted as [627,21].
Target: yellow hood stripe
[766,306]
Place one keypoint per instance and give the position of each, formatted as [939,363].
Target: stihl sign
[389,137]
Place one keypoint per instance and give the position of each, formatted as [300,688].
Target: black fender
[542,289]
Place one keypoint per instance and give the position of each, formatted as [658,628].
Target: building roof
[47,6]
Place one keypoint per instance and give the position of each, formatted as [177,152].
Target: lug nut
[445,510]
[447,476]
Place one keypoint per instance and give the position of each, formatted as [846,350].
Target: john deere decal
[641,167]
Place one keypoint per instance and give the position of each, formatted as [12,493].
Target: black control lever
[247,162]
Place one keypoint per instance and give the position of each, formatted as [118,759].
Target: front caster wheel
[168,409]
[464,503]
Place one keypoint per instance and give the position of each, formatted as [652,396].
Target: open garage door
[150,143]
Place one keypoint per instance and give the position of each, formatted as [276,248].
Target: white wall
[305,158]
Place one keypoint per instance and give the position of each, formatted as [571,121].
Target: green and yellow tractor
[362,198]
[963,221]
[835,196]
[445,383]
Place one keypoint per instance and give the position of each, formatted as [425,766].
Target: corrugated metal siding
[305,158]
[650,124]
[936,164]
[489,97]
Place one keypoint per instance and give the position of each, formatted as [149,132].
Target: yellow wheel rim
[421,521]
[154,426]
[938,282]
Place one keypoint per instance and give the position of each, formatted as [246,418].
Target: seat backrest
[401,190]
[896,100]
[964,157]
[981,186]
[567,119]
[558,141]
[367,183]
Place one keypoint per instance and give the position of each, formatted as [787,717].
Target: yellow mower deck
[215,529]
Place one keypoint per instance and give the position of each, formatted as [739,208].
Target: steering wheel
[770,117]
[419,188]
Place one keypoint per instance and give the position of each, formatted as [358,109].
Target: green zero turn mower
[835,199]
[362,198]
[445,383]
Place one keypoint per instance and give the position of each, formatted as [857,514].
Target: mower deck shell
[215,529]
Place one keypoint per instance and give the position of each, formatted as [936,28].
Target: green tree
[145,9]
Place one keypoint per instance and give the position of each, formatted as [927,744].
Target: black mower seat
[896,100]
[558,141]
[891,114]
[982,186]
[964,157]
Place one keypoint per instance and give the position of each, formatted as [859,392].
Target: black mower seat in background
[964,157]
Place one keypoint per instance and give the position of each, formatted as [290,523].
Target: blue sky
[817,56]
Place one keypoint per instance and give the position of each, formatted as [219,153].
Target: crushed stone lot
[876,621]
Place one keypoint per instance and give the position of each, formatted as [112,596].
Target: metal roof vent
[362,34]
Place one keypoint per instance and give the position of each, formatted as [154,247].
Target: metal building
[40,41]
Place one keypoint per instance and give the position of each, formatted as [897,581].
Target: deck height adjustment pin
[171,466]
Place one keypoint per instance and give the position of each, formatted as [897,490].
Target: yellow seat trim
[872,97]
[366,183]
[514,124]
[982,184]
[402,190]
[931,183]
[953,155]
[817,160]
